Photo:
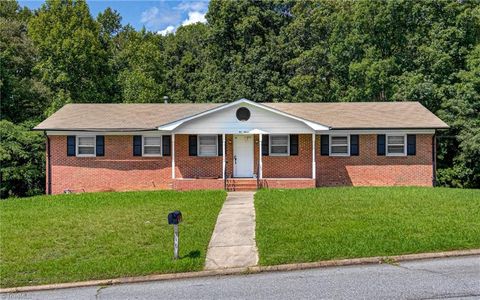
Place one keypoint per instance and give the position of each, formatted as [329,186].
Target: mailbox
[174,217]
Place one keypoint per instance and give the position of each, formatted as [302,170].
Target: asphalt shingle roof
[343,115]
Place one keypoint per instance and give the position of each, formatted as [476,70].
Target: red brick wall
[299,166]
[368,169]
[194,166]
[286,183]
[198,184]
[116,171]
[120,170]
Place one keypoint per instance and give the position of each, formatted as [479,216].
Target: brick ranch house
[239,145]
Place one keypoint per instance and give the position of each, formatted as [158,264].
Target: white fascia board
[86,132]
[172,126]
[379,131]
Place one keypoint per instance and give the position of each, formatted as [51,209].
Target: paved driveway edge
[244,270]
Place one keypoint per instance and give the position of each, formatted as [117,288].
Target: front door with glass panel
[243,155]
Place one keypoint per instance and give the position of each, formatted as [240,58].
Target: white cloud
[167,30]
[149,15]
[155,18]
[193,5]
[166,19]
[194,17]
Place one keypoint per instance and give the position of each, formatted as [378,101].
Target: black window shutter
[220,145]
[381,144]
[324,145]
[166,145]
[137,145]
[411,144]
[71,145]
[354,145]
[192,145]
[100,145]
[265,143]
[294,144]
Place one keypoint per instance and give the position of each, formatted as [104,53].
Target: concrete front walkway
[233,240]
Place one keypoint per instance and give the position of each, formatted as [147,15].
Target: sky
[162,16]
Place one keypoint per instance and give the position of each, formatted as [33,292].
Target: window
[339,145]
[207,145]
[152,146]
[279,145]
[85,146]
[396,145]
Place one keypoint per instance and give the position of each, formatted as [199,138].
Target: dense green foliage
[22,155]
[334,223]
[102,235]
[294,51]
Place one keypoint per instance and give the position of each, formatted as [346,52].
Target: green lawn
[102,235]
[328,223]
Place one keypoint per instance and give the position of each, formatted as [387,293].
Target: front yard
[328,223]
[65,238]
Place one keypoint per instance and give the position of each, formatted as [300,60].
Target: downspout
[49,166]
[434,158]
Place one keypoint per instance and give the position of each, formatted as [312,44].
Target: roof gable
[172,126]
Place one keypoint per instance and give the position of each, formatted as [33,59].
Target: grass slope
[329,223]
[102,235]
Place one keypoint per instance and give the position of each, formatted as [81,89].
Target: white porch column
[173,155]
[314,164]
[260,164]
[223,157]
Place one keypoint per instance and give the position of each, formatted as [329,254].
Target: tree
[22,95]
[71,58]
[243,45]
[186,59]
[141,67]
[22,156]
[463,115]
[110,22]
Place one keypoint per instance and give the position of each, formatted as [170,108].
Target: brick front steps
[241,184]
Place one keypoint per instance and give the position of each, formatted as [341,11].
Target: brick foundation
[293,183]
[198,184]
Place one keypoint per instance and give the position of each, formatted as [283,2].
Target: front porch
[241,162]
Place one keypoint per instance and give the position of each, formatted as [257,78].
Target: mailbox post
[174,218]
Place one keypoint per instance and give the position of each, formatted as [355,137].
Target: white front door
[243,156]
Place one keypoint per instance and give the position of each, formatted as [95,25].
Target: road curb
[244,270]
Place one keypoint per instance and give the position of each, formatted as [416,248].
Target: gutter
[96,129]
[387,128]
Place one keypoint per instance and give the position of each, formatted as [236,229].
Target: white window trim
[216,145]
[270,145]
[404,145]
[143,145]
[330,145]
[77,145]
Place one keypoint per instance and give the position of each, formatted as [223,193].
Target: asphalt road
[452,278]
